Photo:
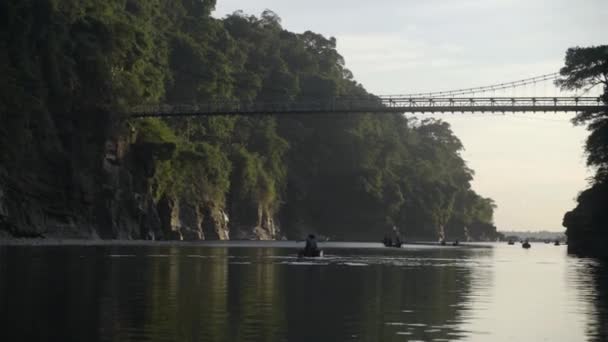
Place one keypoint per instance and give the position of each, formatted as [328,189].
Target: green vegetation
[586,68]
[71,66]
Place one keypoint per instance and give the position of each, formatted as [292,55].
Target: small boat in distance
[526,244]
[556,243]
[511,242]
[388,240]
[311,250]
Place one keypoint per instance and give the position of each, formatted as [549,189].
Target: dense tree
[586,68]
[76,65]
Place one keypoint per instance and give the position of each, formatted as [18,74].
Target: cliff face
[181,220]
[262,225]
[47,179]
[115,203]
[133,213]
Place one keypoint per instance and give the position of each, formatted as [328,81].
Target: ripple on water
[280,257]
[303,263]
[461,309]
[394,323]
[354,264]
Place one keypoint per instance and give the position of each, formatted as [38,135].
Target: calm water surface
[262,292]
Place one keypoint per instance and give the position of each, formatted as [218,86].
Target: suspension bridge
[485,99]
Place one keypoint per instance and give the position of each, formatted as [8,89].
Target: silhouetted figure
[311,243]
[397,235]
[398,242]
[387,241]
[310,249]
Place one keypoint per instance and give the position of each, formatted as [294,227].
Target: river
[261,292]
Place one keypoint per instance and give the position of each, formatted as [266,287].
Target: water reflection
[163,293]
[590,278]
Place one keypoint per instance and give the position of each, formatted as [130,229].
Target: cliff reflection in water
[188,293]
[220,294]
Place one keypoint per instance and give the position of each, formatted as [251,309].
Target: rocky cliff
[116,203]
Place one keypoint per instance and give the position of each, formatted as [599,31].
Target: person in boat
[397,234]
[311,247]
[388,242]
[398,241]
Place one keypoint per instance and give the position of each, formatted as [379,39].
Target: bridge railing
[374,104]
[489,101]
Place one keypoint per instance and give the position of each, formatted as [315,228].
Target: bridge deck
[388,104]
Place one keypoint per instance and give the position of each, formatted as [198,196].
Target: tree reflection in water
[188,293]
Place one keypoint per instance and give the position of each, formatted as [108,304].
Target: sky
[532,165]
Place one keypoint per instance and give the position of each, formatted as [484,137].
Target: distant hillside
[538,235]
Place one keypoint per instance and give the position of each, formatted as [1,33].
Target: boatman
[311,244]
[397,234]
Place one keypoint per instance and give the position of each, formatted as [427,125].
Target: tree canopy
[585,68]
[79,63]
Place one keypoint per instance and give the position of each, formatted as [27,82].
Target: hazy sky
[531,164]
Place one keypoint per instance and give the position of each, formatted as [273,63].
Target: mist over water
[358,292]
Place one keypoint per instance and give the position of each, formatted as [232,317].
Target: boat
[511,242]
[526,245]
[556,243]
[310,254]
[396,244]
[388,240]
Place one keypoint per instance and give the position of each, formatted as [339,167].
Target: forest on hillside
[72,165]
[586,68]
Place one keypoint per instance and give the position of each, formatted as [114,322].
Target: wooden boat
[310,254]
[388,242]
